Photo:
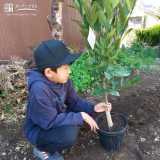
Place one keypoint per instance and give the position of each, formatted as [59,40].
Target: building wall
[136,22]
[22,28]
[151,20]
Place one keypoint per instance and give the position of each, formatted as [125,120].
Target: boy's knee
[71,136]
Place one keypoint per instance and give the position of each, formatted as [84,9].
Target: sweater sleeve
[47,117]
[77,104]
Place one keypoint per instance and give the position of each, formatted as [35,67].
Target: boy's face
[61,76]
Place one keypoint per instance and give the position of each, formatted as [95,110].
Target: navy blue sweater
[48,104]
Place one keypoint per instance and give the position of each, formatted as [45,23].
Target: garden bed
[139,103]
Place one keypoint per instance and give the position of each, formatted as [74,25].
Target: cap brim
[70,58]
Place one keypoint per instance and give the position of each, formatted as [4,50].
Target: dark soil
[118,121]
[140,104]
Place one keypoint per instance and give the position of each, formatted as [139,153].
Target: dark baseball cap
[53,53]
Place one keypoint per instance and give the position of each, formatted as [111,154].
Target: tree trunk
[108,114]
[55,19]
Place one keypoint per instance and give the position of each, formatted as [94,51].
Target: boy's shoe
[54,156]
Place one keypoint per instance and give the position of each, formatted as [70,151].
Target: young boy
[54,110]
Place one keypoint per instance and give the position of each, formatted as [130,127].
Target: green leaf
[113,92]
[108,76]
[130,4]
[115,56]
[102,42]
[108,7]
[121,71]
[133,81]
[118,43]
[115,3]
[97,26]
[122,16]
[70,6]
[102,19]
[80,24]
[111,33]
[98,45]
[98,90]
[94,7]
[126,32]
[110,49]
[110,68]
[92,60]
[97,70]
[85,6]
[76,3]
[84,32]
[93,19]
[111,43]
[91,53]
[87,61]
[97,51]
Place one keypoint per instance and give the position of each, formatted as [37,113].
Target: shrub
[137,55]
[150,36]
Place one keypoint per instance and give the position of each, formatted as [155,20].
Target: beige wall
[151,20]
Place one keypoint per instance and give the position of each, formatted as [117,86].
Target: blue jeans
[57,139]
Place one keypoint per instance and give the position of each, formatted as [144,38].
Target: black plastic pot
[112,141]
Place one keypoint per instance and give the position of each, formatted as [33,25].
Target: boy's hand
[101,107]
[88,119]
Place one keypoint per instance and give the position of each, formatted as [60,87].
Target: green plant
[137,56]
[150,36]
[81,75]
[3,94]
[6,106]
[32,48]
[107,20]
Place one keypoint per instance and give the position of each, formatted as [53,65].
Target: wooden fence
[23,23]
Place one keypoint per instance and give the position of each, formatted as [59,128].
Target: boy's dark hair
[54,68]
